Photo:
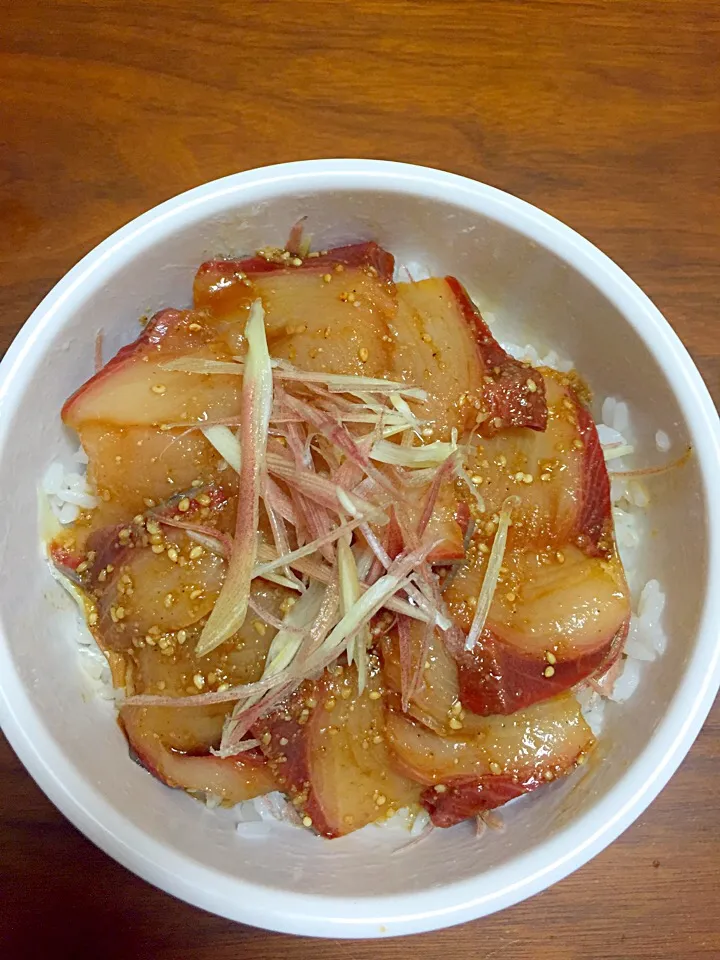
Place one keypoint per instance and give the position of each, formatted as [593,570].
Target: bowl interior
[536,297]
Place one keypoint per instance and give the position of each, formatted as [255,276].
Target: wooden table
[605,114]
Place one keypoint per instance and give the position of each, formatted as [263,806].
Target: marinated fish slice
[132,388]
[329,313]
[509,756]
[327,749]
[232,779]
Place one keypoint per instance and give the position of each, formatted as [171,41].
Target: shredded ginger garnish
[350,593]
[492,573]
[228,614]
[282,370]
[429,455]
[326,491]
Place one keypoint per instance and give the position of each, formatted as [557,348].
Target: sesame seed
[199,681]
[203,499]
[172,554]
[550,657]
[549,671]
[194,594]
[381,799]
[223,687]
[510,597]
[330,704]
[148,502]
[259,627]
[345,693]
[549,775]
[456,708]
[578,444]
[527,478]
[519,477]
[158,547]
[169,600]
[194,327]
[196,552]
[82,567]
[455,724]
[153,527]
[184,505]
[158,388]
[531,385]
[440,788]
[120,613]
[560,556]
[327,277]
[307,821]
[495,768]
[339,268]
[427,432]
[363,354]
[92,618]
[181,636]
[266,737]
[377,738]
[375,694]
[296,262]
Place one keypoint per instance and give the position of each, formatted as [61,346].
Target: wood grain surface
[605,114]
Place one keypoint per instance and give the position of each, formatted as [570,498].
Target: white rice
[67,492]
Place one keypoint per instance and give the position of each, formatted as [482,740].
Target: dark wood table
[605,114]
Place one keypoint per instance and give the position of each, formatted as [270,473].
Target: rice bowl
[677,690]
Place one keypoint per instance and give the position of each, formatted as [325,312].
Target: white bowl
[545,285]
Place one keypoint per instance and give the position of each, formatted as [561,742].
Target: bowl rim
[574,844]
